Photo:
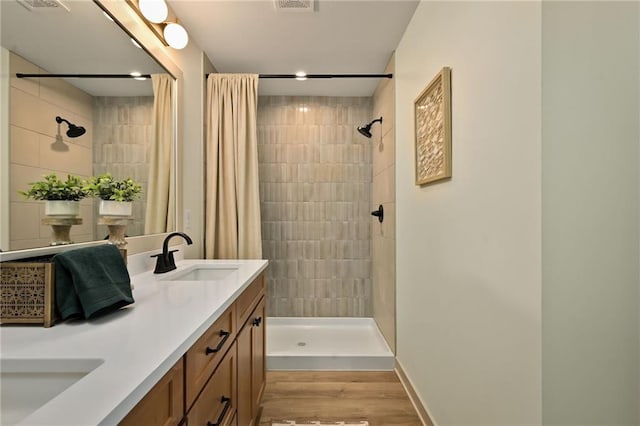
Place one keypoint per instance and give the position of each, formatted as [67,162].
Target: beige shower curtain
[160,215]
[232,218]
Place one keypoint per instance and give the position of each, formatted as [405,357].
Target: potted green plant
[115,195]
[61,197]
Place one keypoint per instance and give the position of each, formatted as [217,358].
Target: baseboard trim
[423,413]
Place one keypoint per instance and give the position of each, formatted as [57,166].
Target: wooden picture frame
[432,110]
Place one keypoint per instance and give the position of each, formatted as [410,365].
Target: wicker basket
[27,293]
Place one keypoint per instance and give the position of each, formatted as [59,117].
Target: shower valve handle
[378,213]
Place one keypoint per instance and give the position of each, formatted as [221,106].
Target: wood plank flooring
[375,396]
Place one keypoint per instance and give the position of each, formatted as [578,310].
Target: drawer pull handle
[257,321]
[225,336]
[227,403]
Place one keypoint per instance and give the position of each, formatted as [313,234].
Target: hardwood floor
[375,396]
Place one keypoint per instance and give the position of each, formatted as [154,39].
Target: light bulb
[155,11]
[301,76]
[176,36]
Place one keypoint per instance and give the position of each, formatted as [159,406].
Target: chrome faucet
[165,261]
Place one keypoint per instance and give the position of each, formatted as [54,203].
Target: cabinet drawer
[216,404]
[203,357]
[249,299]
[164,404]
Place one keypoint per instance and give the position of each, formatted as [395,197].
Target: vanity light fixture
[155,11]
[162,22]
[176,35]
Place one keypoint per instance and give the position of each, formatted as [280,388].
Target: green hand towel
[91,282]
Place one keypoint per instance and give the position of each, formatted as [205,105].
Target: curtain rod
[308,76]
[274,76]
[22,75]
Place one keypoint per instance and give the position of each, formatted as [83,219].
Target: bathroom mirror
[56,37]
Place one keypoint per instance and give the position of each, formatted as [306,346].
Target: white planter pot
[62,208]
[115,208]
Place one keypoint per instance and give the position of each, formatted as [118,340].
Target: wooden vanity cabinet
[259,357]
[221,378]
[248,300]
[205,355]
[246,358]
[163,404]
[251,366]
[216,405]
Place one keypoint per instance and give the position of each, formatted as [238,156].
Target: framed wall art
[433,130]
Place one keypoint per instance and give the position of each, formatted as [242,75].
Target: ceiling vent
[36,5]
[294,5]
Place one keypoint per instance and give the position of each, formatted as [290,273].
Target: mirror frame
[5,131]
[134,25]
[131,23]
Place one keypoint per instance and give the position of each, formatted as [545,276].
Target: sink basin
[203,272]
[28,384]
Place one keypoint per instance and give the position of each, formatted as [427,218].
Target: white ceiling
[338,37]
[79,41]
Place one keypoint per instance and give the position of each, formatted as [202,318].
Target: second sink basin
[28,384]
[202,272]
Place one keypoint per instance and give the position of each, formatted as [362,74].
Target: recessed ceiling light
[107,16]
[137,76]
[135,43]
[301,76]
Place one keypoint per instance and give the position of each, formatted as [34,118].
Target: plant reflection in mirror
[106,187]
[52,189]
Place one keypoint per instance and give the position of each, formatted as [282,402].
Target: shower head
[74,131]
[366,129]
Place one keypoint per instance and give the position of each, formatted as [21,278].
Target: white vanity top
[137,344]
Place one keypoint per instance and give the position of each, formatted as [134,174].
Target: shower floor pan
[326,344]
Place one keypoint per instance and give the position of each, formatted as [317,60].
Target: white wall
[198,206]
[468,249]
[193,64]
[590,212]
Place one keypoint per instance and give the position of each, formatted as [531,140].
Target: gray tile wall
[315,185]
[123,131]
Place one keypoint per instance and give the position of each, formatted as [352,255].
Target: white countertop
[137,344]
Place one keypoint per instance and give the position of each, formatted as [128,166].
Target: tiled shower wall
[39,146]
[122,146]
[315,182]
[383,237]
